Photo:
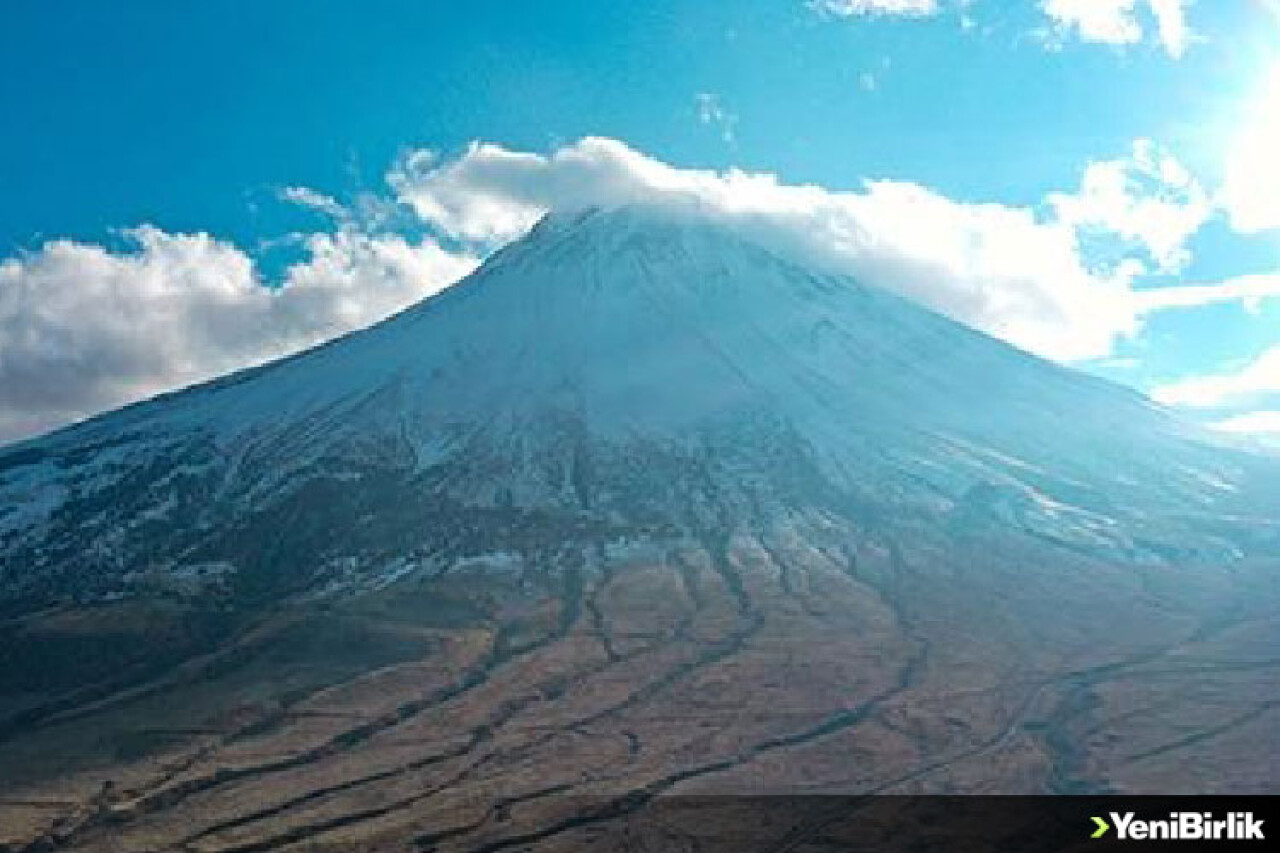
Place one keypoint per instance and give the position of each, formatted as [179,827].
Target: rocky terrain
[638,510]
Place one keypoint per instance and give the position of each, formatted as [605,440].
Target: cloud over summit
[1019,273]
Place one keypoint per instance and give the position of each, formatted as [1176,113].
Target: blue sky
[205,124]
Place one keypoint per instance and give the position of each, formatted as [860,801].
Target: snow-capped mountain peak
[623,362]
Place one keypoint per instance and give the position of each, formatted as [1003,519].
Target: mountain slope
[643,506]
[614,329]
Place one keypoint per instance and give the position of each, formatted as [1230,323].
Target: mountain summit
[638,505]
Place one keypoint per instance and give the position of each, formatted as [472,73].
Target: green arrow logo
[1103,826]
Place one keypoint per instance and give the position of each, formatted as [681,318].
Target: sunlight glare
[1251,178]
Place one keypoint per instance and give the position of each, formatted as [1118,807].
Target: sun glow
[1251,178]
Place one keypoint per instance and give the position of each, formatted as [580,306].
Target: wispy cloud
[1261,376]
[1264,423]
[313,200]
[711,112]
[1114,22]
[1250,290]
[850,8]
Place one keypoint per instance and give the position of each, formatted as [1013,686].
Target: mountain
[639,506]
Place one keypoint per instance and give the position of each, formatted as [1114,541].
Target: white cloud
[1252,423]
[851,8]
[1148,198]
[84,329]
[1105,21]
[1014,272]
[1251,290]
[352,279]
[1259,377]
[1251,177]
[1117,22]
[1171,25]
[1114,22]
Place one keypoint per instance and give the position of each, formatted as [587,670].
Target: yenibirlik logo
[1183,826]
